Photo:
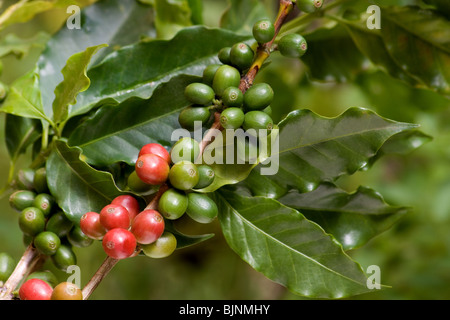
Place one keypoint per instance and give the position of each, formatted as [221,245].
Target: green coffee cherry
[257,120]
[172,204]
[232,118]
[199,93]
[232,97]
[46,276]
[77,238]
[185,149]
[40,180]
[224,55]
[226,76]
[32,221]
[137,185]
[163,247]
[309,6]
[64,257]
[59,224]
[209,72]
[206,176]
[292,45]
[241,56]
[7,266]
[45,202]
[25,178]
[258,96]
[189,115]
[22,199]
[183,175]
[201,208]
[47,243]
[263,31]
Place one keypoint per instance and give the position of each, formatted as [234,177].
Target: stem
[26,265]
[264,49]
[207,139]
[102,272]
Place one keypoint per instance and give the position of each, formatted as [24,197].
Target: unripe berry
[189,115]
[224,55]
[163,247]
[292,45]
[201,208]
[199,93]
[47,243]
[172,204]
[66,291]
[185,149]
[232,118]
[64,257]
[226,76]
[206,176]
[258,96]
[183,175]
[241,56]
[31,221]
[263,31]
[232,97]
[309,6]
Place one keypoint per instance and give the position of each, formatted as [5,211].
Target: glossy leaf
[242,14]
[171,17]
[281,243]
[23,11]
[76,186]
[12,44]
[353,219]
[20,133]
[75,81]
[313,149]
[185,240]
[116,133]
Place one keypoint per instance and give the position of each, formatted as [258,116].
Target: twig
[102,272]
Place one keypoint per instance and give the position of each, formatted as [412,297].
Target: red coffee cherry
[91,226]
[35,289]
[119,243]
[155,148]
[152,169]
[115,216]
[148,226]
[129,202]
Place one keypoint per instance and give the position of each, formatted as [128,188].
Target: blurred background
[414,256]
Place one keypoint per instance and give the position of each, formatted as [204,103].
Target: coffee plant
[135,120]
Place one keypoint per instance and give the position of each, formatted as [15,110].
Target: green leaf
[21,133]
[116,133]
[171,17]
[126,22]
[75,81]
[287,248]
[353,219]
[185,240]
[76,186]
[196,11]
[12,44]
[313,149]
[138,69]
[23,11]
[242,14]
[419,41]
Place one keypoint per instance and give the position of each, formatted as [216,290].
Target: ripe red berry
[35,289]
[148,226]
[155,148]
[152,169]
[115,216]
[130,203]
[91,226]
[119,243]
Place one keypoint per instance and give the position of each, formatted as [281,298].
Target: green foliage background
[414,256]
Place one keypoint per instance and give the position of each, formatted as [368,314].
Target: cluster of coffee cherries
[42,222]
[35,288]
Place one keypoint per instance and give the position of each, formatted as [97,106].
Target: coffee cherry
[257,120]
[206,176]
[189,115]
[309,5]
[209,72]
[201,208]
[258,96]
[77,238]
[232,118]
[91,226]
[119,243]
[148,226]
[31,221]
[7,265]
[35,289]
[163,247]
[199,93]
[224,55]
[226,76]
[59,224]
[292,45]
[114,216]
[232,97]
[47,243]
[183,175]
[129,202]
[263,31]
[46,276]
[22,199]
[64,257]
[152,169]
[40,180]
[155,148]
[172,204]
[25,178]
[137,185]
[66,291]
[45,202]
[241,56]
[185,149]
